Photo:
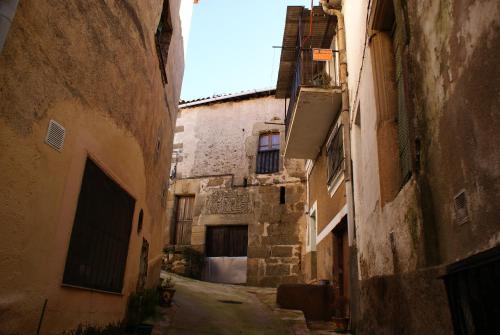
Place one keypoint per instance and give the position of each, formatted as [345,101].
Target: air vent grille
[55,135]
[461,212]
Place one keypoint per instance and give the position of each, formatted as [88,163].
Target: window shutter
[403,120]
[184,220]
[401,17]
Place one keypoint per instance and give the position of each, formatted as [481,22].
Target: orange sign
[322,55]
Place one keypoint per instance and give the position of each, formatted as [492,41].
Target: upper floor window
[268,156]
[163,37]
[335,152]
[388,47]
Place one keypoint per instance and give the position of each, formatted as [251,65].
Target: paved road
[208,308]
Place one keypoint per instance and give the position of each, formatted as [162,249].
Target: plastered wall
[328,204]
[405,244]
[93,68]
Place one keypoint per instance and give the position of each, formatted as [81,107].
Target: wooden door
[184,220]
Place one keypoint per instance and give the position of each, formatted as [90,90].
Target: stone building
[234,197]
[88,100]
[420,96]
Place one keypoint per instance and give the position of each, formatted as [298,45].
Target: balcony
[312,87]
[315,101]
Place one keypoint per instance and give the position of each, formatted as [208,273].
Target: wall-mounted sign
[322,55]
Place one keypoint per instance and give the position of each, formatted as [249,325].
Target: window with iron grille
[99,241]
[335,153]
[268,156]
[473,291]
[163,37]
[183,220]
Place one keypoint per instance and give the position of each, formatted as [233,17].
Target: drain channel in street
[230,302]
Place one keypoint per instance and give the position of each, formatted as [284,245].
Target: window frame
[312,228]
[388,29]
[178,222]
[103,267]
[268,155]
[164,32]
[334,178]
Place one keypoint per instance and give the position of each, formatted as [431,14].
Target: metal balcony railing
[268,161]
[309,73]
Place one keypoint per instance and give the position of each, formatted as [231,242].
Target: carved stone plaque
[228,202]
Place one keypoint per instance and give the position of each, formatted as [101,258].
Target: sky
[185,12]
[230,47]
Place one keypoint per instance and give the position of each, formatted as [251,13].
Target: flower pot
[166,296]
[340,324]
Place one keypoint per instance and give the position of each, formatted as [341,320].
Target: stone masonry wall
[217,148]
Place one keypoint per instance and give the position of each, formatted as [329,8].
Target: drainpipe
[7,12]
[345,119]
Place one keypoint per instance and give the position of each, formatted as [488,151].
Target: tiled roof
[226,97]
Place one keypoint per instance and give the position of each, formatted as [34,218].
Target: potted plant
[167,291]
[141,306]
[340,324]
[340,319]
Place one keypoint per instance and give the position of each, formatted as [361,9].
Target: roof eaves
[228,97]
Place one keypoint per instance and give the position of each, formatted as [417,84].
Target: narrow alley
[209,308]
[302,167]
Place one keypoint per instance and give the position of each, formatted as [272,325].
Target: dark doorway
[341,258]
[228,241]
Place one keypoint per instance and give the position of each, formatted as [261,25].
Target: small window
[163,37]
[227,241]
[282,195]
[99,241]
[335,153]
[268,156]
[139,221]
[311,229]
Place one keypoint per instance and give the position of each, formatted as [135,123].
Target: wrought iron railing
[335,152]
[310,73]
[268,161]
